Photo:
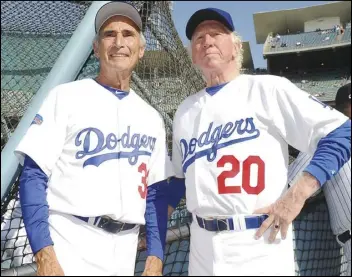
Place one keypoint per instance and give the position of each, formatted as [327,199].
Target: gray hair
[142,39]
[236,40]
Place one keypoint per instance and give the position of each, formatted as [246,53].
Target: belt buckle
[107,224]
[103,221]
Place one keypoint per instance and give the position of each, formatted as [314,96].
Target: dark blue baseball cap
[208,14]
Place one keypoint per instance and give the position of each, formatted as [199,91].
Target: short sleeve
[176,151]
[45,138]
[301,119]
[160,165]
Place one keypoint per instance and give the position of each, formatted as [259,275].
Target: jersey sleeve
[176,150]
[301,119]
[44,140]
[160,166]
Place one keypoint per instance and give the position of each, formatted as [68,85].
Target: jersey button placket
[118,150]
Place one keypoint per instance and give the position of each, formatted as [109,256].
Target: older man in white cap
[94,163]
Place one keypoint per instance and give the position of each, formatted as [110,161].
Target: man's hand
[153,267]
[287,207]
[47,263]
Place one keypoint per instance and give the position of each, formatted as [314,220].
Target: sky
[242,16]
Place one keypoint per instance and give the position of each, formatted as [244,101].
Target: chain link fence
[33,34]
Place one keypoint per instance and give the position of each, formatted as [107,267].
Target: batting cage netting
[33,34]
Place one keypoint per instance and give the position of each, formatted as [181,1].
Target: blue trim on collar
[213,90]
[120,94]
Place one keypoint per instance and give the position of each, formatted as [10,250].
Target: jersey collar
[120,94]
[214,89]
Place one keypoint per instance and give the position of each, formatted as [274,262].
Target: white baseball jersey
[99,150]
[232,146]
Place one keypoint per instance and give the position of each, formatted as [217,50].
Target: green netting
[33,34]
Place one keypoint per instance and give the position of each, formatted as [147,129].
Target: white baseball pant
[237,253]
[85,250]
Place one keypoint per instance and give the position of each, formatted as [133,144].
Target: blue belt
[228,224]
[107,224]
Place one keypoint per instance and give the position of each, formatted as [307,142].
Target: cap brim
[201,16]
[117,8]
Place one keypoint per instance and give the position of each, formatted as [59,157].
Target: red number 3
[143,189]
[245,175]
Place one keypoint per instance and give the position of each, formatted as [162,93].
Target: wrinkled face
[119,45]
[212,45]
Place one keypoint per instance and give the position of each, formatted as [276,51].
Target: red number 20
[245,175]
[143,189]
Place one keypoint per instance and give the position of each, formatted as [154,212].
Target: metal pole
[66,69]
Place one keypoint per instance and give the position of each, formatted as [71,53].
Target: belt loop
[227,221]
[91,220]
[123,225]
[237,223]
[97,221]
[242,222]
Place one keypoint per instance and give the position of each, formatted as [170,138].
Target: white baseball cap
[117,8]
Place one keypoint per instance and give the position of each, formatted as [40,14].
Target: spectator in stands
[343,99]
[337,30]
[342,30]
